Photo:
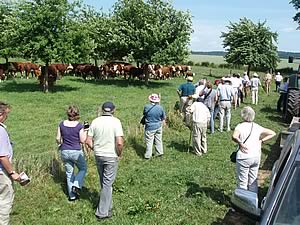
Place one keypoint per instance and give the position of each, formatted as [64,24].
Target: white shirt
[255,82]
[200,112]
[253,143]
[104,130]
[278,78]
[225,92]
[198,90]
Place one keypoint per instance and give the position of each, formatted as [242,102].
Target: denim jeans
[6,198]
[107,169]
[71,158]
[212,120]
[153,136]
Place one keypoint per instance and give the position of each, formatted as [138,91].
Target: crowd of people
[200,103]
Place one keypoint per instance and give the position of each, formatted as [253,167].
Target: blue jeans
[107,169]
[212,120]
[71,158]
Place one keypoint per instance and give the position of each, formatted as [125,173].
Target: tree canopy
[296,4]
[247,43]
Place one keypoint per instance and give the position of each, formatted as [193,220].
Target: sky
[211,17]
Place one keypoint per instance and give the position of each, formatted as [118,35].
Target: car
[281,205]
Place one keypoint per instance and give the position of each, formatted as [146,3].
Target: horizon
[208,27]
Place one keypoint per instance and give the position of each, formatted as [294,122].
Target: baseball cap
[108,107]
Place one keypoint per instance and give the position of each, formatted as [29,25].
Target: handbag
[143,120]
[234,153]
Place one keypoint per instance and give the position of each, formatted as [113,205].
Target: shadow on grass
[59,177]
[272,155]
[14,86]
[181,146]
[124,83]
[139,149]
[215,194]
[234,218]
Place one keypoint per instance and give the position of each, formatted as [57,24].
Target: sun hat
[190,78]
[278,73]
[108,107]
[154,98]
[255,74]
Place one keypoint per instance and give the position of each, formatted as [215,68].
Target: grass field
[181,188]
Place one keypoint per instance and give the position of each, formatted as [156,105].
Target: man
[210,102]
[283,89]
[278,79]
[246,83]
[268,80]
[155,117]
[105,137]
[201,116]
[236,84]
[255,83]
[225,95]
[186,92]
[7,173]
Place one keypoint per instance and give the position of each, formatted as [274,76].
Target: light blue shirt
[225,92]
[154,117]
[5,145]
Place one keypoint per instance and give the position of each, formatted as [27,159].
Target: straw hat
[154,98]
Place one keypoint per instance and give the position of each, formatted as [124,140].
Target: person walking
[278,79]
[210,102]
[70,135]
[283,90]
[105,137]
[246,83]
[7,172]
[200,118]
[186,92]
[268,81]
[255,83]
[250,136]
[155,117]
[225,95]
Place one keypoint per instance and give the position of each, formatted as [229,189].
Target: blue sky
[210,18]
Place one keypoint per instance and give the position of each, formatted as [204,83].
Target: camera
[86,125]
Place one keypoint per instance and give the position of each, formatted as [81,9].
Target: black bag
[234,153]
[143,120]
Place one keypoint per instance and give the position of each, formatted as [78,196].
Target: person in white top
[255,83]
[246,83]
[278,79]
[249,136]
[105,137]
[236,84]
[268,80]
[201,116]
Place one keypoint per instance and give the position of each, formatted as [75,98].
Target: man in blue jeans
[105,137]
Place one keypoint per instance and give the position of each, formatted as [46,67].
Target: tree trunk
[46,76]
[6,60]
[96,64]
[248,70]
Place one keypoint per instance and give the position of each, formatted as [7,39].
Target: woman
[70,134]
[255,83]
[249,136]
[155,116]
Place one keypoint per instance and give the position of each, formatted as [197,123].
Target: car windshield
[288,212]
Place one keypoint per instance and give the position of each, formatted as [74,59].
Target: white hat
[278,73]
[154,98]
[190,78]
[255,74]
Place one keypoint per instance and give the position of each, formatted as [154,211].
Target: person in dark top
[70,135]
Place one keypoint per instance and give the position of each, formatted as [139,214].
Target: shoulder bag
[234,153]
[143,120]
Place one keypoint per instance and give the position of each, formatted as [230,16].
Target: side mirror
[246,201]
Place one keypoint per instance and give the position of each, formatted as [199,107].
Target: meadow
[179,188]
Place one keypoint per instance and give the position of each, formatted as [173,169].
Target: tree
[250,44]
[296,4]
[42,30]
[150,31]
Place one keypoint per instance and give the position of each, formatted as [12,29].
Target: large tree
[43,33]
[296,4]
[247,43]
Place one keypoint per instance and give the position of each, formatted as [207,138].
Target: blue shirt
[5,145]
[186,89]
[154,117]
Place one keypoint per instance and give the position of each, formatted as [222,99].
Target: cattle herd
[89,71]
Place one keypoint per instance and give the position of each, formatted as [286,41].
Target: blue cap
[108,107]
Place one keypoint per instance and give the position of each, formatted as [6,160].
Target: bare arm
[119,145]
[236,138]
[82,135]
[9,168]
[58,137]
[267,134]
[89,141]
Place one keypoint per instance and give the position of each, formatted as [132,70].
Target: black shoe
[103,218]
[72,199]
[76,191]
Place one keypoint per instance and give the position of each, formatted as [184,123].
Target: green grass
[178,189]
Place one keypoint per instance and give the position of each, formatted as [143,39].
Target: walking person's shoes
[72,199]
[105,217]
[76,191]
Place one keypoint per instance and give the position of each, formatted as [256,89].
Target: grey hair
[248,114]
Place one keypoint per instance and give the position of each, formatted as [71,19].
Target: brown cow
[166,72]
[52,75]
[19,67]
[61,68]
[32,68]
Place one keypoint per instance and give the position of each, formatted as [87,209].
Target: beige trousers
[6,198]
[199,138]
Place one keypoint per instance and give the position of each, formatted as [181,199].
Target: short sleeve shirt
[187,89]
[104,131]
[5,145]
[155,116]
[253,142]
[226,92]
